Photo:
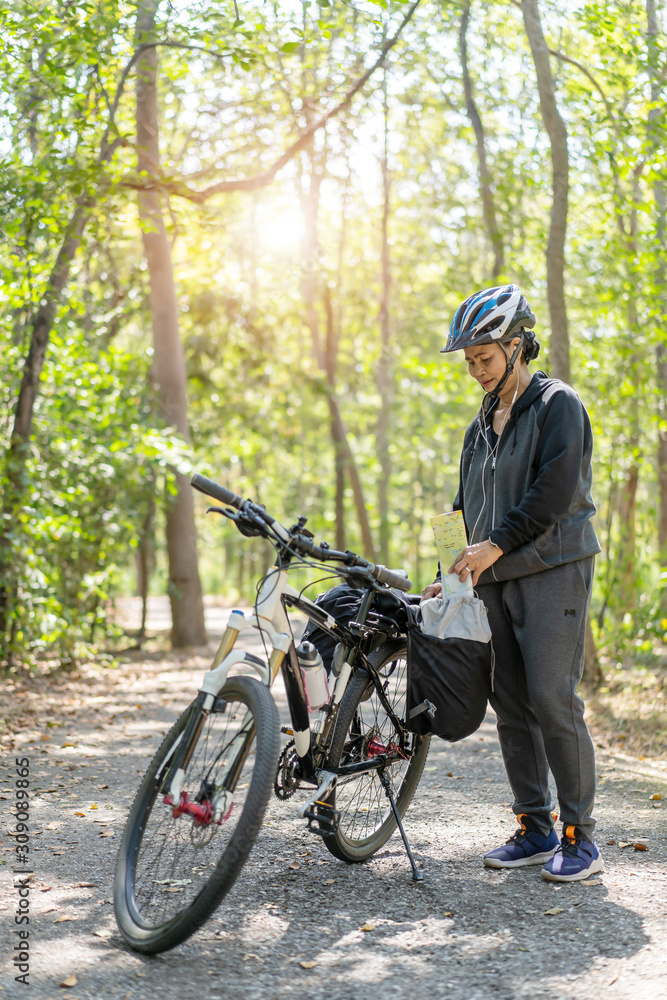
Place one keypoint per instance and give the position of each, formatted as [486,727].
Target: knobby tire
[169,877]
[367,821]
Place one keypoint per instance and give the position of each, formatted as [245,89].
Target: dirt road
[466,933]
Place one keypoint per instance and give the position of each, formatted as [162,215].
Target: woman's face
[488,362]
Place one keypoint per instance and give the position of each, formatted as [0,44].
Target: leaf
[62,920]
[70,981]
[592,881]
[79,814]
[94,806]
[46,888]
[294,865]
[102,934]
[108,833]
[329,881]
[307,965]
[554,911]
[640,847]
[447,913]
[625,843]
[656,797]
[85,885]
[290,46]
[368,926]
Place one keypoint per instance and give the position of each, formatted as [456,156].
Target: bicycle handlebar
[212,489]
[301,542]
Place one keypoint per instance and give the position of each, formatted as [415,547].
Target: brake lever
[242,521]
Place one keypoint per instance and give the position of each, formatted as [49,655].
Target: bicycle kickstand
[416,875]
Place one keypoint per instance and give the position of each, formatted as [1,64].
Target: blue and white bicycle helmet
[494,314]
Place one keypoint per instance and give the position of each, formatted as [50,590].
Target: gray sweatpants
[538,624]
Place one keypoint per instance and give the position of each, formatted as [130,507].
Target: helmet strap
[510,365]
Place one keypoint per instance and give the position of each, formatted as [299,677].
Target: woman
[524,490]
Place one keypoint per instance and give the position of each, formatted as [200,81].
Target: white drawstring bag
[460,617]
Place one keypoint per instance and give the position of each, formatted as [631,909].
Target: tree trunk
[592,676]
[384,370]
[488,204]
[185,595]
[339,453]
[557,132]
[310,207]
[660,197]
[145,561]
[15,461]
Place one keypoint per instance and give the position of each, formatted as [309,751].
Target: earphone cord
[491,452]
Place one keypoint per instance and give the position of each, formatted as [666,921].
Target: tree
[555,253]
[185,593]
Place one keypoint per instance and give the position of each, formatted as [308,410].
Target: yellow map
[450,541]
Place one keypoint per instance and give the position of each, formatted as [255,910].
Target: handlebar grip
[391,579]
[216,491]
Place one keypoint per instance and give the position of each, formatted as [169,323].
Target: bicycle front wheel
[175,866]
[363,729]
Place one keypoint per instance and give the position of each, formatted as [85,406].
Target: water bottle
[314,676]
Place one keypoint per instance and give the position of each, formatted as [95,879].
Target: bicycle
[200,806]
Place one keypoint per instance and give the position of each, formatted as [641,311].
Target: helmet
[494,314]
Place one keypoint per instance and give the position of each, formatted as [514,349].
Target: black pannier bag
[449,682]
[343,602]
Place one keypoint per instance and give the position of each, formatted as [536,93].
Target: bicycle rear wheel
[173,871]
[366,820]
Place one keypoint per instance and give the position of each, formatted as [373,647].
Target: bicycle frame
[269,617]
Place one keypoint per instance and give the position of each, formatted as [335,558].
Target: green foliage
[234,92]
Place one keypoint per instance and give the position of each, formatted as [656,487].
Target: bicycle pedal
[327,821]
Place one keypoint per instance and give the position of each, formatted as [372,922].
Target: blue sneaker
[574,860]
[526,847]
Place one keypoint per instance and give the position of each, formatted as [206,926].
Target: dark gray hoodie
[533,497]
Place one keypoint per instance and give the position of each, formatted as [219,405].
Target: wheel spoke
[365,729]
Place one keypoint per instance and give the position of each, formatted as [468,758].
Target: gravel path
[466,933]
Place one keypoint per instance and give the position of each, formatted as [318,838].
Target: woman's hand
[475,559]
[433,590]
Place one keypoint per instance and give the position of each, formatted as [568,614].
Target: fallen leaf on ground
[641,847]
[612,980]
[612,841]
[656,797]
[63,745]
[102,934]
[329,881]
[85,885]
[79,814]
[554,911]
[307,965]
[107,833]
[625,843]
[447,914]
[46,888]
[592,881]
[61,920]
[100,787]
[94,806]
[70,981]
[51,909]
[294,865]
[368,926]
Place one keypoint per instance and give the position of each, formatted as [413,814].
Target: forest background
[233,238]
